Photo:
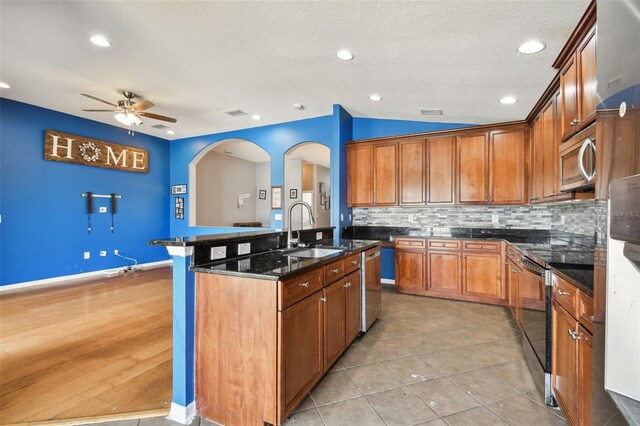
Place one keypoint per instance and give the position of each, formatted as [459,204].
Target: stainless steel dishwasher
[371,287]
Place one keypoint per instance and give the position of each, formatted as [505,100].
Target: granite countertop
[570,255]
[277,264]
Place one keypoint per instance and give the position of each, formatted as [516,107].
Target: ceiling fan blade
[99,100]
[142,105]
[157,116]
[100,110]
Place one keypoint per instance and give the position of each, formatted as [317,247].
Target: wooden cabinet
[472,169]
[549,151]
[572,352]
[411,169]
[506,167]
[441,170]
[353,300]
[359,175]
[301,334]
[537,161]
[482,275]
[578,86]
[385,174]
[444,272]
[513,280]
[410,268]
[334,299]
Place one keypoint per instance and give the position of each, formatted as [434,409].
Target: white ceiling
[196,60]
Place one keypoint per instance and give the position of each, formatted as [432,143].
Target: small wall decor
[262,195]
[276,197]
[293,194]
[68,148]
[180,208]
[179,189]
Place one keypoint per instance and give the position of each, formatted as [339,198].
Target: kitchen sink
[314,253]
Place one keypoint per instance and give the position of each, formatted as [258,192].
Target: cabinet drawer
[565,294]
[410,242]
[299,287]
[492,246]
[585,311]
[513,253]
[333,271]
[352,263]
[444,244]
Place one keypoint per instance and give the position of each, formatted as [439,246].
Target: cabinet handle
[324,299]
[514,271]
[573,334]
[334,271]
[443,244]
[305,284]
[347,285]
[562,293]
[354,262]
[481,246]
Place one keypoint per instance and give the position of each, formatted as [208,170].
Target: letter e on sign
[68,148]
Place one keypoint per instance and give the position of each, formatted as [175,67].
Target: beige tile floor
[425,362]
[430,362]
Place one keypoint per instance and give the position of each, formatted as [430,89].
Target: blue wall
[44,224]
[365,128]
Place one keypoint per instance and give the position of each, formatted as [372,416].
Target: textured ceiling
[196,60]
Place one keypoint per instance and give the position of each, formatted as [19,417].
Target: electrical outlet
[218,252]
[318,236]
[103,253]
[562,219]
[102,209]
[350,218]
[244,248]
[341,217]
[277,216]
[494,218]
[116,251]
[87,255]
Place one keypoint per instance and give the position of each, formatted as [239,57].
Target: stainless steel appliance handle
[372,256]
[593,164]
[581,167]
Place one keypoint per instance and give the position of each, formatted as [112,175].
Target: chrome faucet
[290,239]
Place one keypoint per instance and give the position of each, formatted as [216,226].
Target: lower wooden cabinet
[482,275]
[444,272]
[513,282]
[353,308]
[334,322]
[410,269]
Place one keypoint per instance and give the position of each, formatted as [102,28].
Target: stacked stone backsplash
[584,217]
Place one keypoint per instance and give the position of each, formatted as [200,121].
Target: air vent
[236,113]
[160,126]
[431,111]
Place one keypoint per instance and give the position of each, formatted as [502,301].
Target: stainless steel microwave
[578,161]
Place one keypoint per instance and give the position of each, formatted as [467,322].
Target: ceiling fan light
[122,118]
[134,119]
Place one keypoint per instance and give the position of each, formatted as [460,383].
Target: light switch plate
[244,248]
[278,216]
[103,210]
[218,252]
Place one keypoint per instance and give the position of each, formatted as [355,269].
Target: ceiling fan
[128,112]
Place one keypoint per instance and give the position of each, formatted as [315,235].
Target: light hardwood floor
[87,349]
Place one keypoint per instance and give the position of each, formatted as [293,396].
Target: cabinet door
[537,161]
[443,272]
[412,172]
[482,275]
[513,275]
[385,174]
[410,272]
[472,169]
[360,175]
[569,88]
[585,360]
[301,335]
[353,309]
[334,320]
[587,100]
[550,151]
[506,167]
[441,157]
[564,361]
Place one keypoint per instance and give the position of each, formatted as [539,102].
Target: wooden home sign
[68,148]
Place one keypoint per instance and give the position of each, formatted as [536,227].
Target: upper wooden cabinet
[412,172]
[441,170]
[578,86]
[537,161]
[507,167]
[360,175]
[385,174]
[472,169]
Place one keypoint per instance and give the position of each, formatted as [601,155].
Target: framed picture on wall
[178,189]
[262,195]
[276,197]
[293,193]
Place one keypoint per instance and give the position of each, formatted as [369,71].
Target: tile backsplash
[585,217]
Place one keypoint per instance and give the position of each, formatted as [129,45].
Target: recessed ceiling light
[171,132]
[531,46]
[375,98]
[100,40]
[344,54]
[4,85]
[256,117]
[508,100]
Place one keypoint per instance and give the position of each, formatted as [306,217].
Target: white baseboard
[181,414]
[66,279]
[388,281]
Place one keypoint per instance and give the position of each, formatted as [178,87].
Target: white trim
[387,281]
[181,414]
[66,279]
[180,251]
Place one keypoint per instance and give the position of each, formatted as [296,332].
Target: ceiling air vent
[431,111]
[160,126]
[236,113]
